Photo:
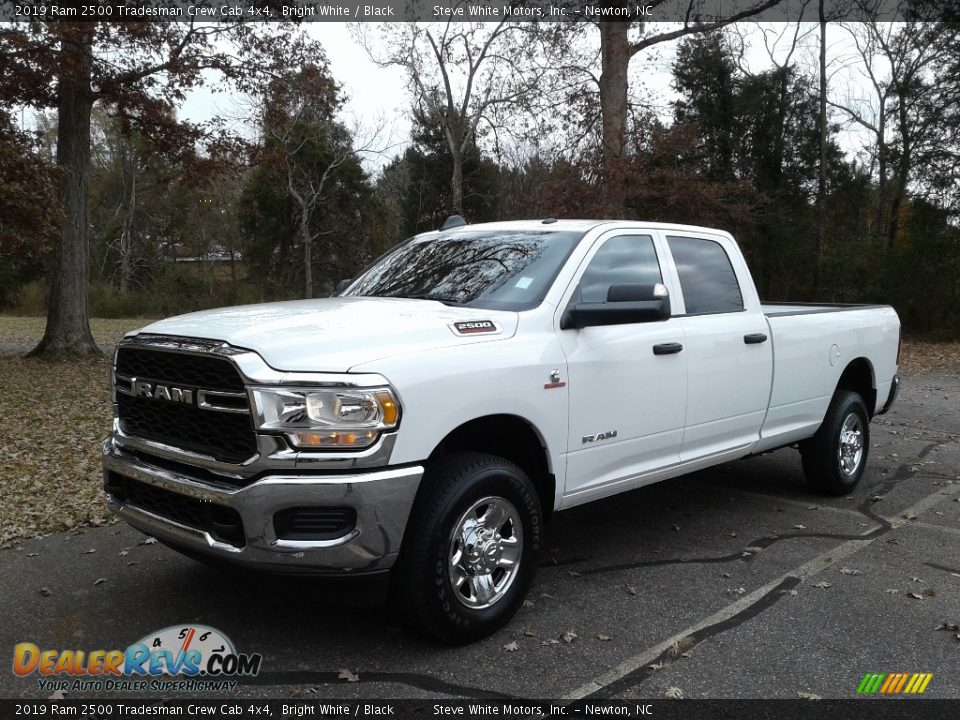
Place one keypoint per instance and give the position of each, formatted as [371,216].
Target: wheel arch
[511,437]
[859,377]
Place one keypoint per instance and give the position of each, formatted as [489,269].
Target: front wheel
[834,458]
[468,556]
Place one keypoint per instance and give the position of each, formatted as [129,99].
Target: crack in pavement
[865,508]
[634,671]
[688,642]
[944,568]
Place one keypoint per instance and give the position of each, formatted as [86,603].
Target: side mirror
[626,303]
[342,285]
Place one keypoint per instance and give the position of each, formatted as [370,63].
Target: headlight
[327,418]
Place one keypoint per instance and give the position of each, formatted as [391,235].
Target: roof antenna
[454,221]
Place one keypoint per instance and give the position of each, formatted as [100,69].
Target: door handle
[667,348]
[754,338]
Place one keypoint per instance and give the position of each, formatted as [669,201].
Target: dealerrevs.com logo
[181,657]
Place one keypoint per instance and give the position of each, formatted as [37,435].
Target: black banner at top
[684,11]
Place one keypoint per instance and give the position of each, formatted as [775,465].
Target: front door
[627,404]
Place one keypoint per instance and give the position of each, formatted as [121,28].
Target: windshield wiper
[439,298]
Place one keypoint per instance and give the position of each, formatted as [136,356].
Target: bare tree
[464,74]
[897,61]
[142,69]
[297,115]
[620,42]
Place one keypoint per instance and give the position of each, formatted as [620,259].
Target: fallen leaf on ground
[915,596]
[511,646]
[347,675]
[149,541]
[604,638]
[799,527]
[569,636]
[950,626]
[674,693]
[791,593]
[631,590]
[528,603]
[850,571]
[99,581]
[808,696]
[823,584]
[45,592]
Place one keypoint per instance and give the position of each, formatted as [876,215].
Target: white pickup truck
[428,419]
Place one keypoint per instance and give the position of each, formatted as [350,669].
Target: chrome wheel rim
[485,550]
[850,452]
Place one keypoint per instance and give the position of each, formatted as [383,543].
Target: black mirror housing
[626,304]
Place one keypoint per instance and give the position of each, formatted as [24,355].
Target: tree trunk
[307,253]
[903,172]
[68,326]
[822,171]
[615,61]
[881,220]
[456,183]
[126,237]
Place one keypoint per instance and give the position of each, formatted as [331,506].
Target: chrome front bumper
[382,500]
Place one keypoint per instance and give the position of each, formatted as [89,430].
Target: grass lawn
[53,416]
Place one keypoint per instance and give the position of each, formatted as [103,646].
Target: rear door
[727,344]
[627,404]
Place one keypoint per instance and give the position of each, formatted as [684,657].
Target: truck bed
[812,344]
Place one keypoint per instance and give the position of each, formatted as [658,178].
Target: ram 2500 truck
[469,383]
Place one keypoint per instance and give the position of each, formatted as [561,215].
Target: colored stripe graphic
[894,683]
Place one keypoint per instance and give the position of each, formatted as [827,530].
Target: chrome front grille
[196,402]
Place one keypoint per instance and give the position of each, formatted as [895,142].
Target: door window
[621,259]
[707,279]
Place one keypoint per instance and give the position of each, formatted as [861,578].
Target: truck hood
[336,334]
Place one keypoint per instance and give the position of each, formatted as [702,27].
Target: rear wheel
[468,553]
[834,458]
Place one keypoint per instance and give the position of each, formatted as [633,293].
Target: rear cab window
[707,279]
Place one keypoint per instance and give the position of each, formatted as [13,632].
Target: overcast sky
[375,92]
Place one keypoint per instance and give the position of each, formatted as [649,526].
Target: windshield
[493,269]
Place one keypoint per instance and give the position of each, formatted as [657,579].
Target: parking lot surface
[736,582]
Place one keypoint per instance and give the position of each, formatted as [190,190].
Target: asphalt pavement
[736,582]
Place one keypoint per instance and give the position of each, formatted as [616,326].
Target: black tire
[422,582]
[826,467]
